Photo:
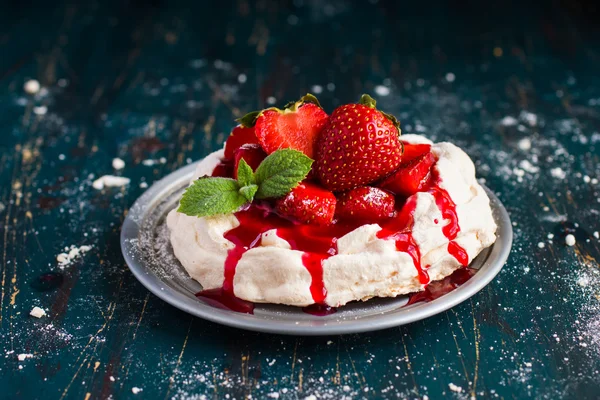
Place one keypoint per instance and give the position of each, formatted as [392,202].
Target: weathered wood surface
[165,79]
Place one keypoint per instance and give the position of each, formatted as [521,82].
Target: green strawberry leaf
[245,175]
[280,172]
[370,102]
[211,196]
[249,119]
[249,191]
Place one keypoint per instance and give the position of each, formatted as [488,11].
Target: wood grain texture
[163,81]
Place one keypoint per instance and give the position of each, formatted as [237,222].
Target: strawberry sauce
[444,286]
[319,243]
[451,229]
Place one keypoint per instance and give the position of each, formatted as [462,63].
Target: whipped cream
[365,266]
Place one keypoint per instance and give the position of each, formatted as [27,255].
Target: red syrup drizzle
[444,286]
[450,230]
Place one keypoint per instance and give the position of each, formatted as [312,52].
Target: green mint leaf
[211,196]
[280,172]
[249,191]
[245,175]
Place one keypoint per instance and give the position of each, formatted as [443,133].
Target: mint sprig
[276,176]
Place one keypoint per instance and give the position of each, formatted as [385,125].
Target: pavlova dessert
[303,208]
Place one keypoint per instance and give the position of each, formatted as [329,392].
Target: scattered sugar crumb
[271,100]
[597,235]
[73,253]
[316,89]
[508,121]
[525,144]
[22,357]
[110,181]
[583,281]
[40,110]
[111,378]
[118,164]
[136,390]
[570,240]
[311,397]
[558,172]
[274,395]
[37,312]
[382,90]
[143,185]
[2,207]
[529,117]
[150,162]
[31,86]
[450,77]
[541,245]
[242,78]
[455,388]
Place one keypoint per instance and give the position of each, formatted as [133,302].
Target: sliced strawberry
[365,203]
[308,204]
[359,145]
[410,177]
[412,151]
[296,127]
[239,136]
[253,154]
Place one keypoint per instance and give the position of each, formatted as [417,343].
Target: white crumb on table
[508,121]
[40,110]
[31,86]
[583,281]
[558,172]
[118,164]
[150,162]
[311,397]
[71,253]
[570,240]
[143,185]
[541,245]
[529,117]
[2,207]
[455,388]
[22,357]
[37,312]
[136,390]
[316,89]
[597,235]
[450,77]
[382,90]
[273,395]
[110,181]
[525,144]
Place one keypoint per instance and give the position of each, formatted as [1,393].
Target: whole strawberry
[359,145]
[308,204]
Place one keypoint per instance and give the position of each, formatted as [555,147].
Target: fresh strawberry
[412,151]
[253,154]
[410,177]
[358,145]
[308,204]
[295,127]
[239,136]
[365,203]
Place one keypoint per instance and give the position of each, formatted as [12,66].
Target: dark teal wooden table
[517,87]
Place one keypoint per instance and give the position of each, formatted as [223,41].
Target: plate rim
[138,211]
